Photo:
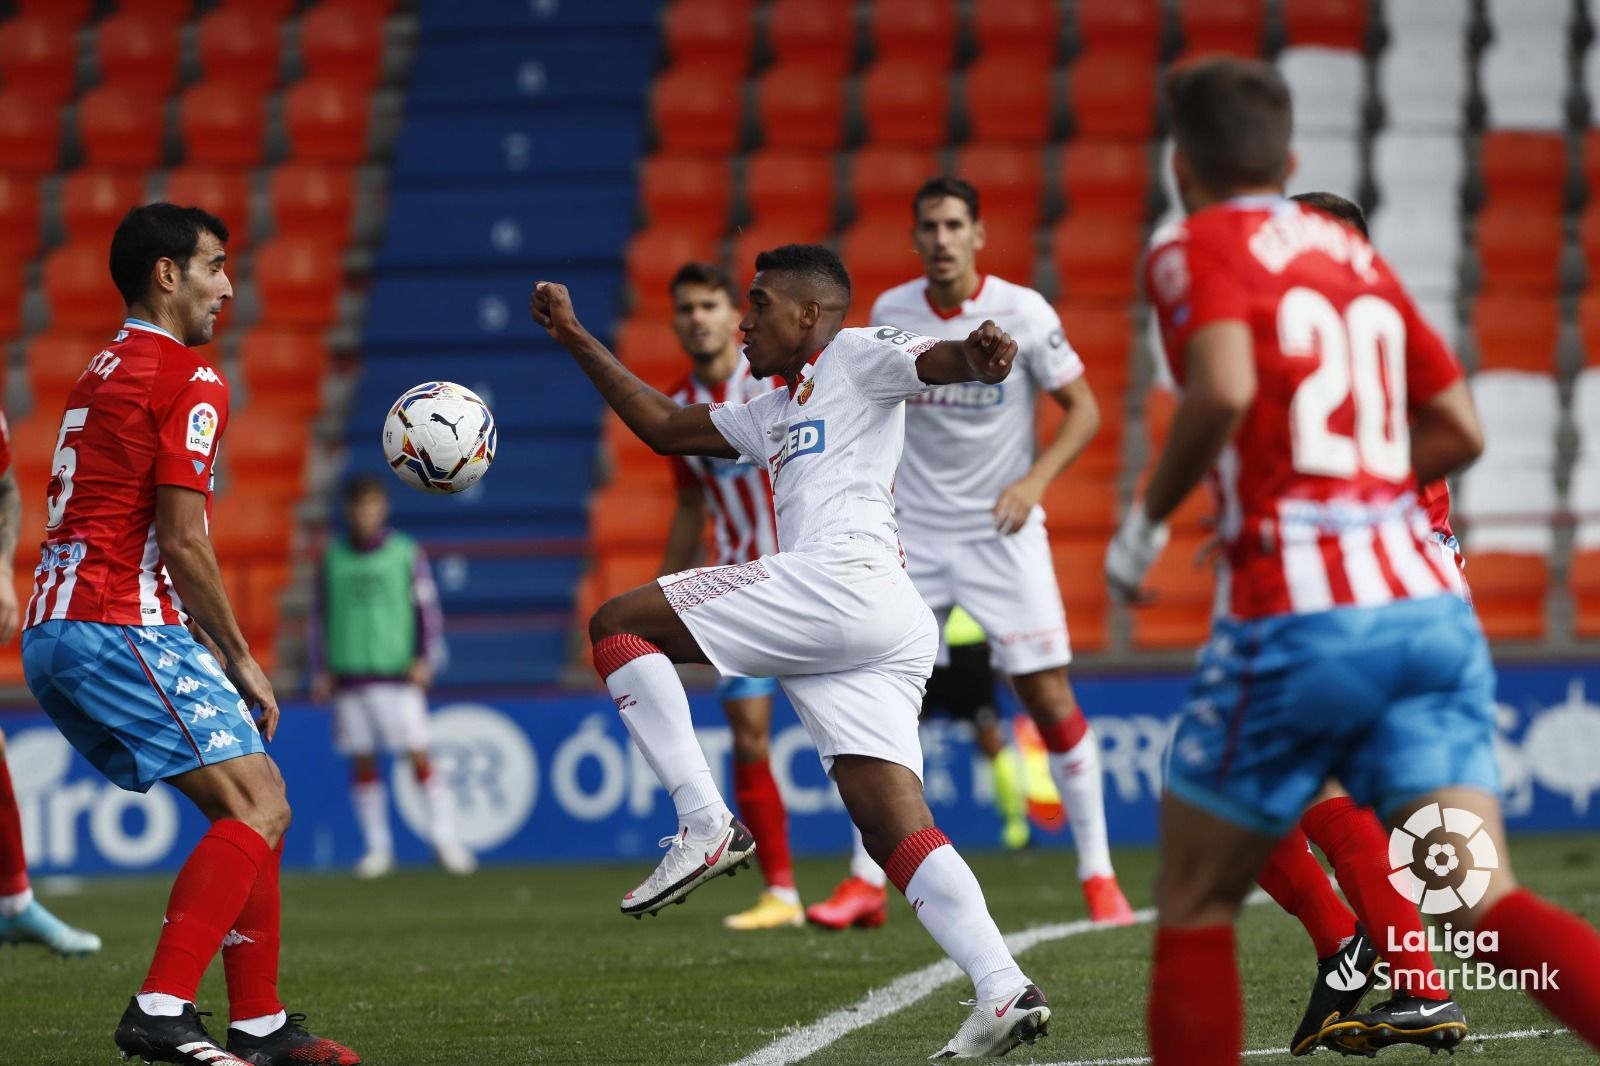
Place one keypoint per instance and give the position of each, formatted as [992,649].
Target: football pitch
[535,965]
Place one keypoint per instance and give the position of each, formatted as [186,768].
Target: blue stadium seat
[565,401]
[515,73]
[457,310]
[549,229]
[470,584]
[539,16]
[503,654]
[520,145]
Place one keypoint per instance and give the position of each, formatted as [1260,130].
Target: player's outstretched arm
[186,551]
[667,427]
[986,355]
[1445,434]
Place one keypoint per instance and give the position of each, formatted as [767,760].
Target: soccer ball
[439,437]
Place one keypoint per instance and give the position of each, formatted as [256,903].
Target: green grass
[536,966]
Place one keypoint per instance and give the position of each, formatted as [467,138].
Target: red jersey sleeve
[1430,364]
[190,406]
[1191,286]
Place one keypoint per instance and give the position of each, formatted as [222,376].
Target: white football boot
[375,864]
[455,858]
[689,863]
[997,1025]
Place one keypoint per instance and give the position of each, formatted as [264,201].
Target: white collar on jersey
[148,327]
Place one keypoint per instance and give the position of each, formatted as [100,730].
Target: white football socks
[13,905]
[861,864]
[1076,773]
[265,1025]
[441,812]
[371,802]
[161,1005]
[652,703]
[950,904]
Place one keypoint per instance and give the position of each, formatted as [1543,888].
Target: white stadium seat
[1523,74]
[1326,163]
[1423,83]
[1414,169]
[1423,245]
[1508,507]
[1586,411]
[1414,20]
[1520,412]
[1328,86]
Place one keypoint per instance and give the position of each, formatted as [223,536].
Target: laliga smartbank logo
[1442,859]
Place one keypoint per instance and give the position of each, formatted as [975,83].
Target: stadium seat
[798,107]
[93,202]
[239,45]
[266,450]
[1328,86]
[11,288]
[71,13]
[55,362]
[1120,27]
[1422,243]
[813,35]
[1184,590]
[654,256]
[628,518]
[1079,562]
[1024,33]
[1520,411]
[1525,168]
[879,256]
[750,241]
[1096,256]
[251,527]
[327,121]
[1522,88]
[791,188]
[649,347]
[1102,335]
[1009,177]
[1589,326]
[1506,507]
[342,44]
[1111,97]
[19,217]
[915,31]
[1585,583]
[38,58]
[1005,104]
[1447,20]
[1329,162]
[170,12]
[686,191]
[298,282]
[1520,250]
[312,201]
[1106,177]
[222,126]
[695,111]
[1008,249]
[1590,158]
[138,51]
[283,366]
[79,291]
[1423,83]
[120,129]
[1329,23]
[906,103]
[1101,460]
[1081,502]
[883,178]
[1508,593]
[1419,171]
[30,135]
[710,36]
[224,193]
[1228,27]
[1516,330]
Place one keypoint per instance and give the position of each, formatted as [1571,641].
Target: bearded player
[1317,398]
[737,498]
[832,615]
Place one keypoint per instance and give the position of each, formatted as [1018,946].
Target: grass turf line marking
[1144,1060]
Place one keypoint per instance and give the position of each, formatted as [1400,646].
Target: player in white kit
[832,614]
[967,498]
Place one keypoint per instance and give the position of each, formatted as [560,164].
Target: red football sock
[13,863]
[1295,881]
[755,793]
[207,897]
[1533,934]
[1195,1016]
[250,950]
[1065,734]
[1355,843]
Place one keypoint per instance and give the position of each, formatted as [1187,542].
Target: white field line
[1142,1060]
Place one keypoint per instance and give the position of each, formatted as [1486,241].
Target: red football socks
[1295,881]
[1541,937]
[1355,843]
[13,863]
[1195,1016]
[207,897]
[755,794]
[250,950]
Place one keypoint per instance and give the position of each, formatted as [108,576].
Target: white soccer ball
[439,437]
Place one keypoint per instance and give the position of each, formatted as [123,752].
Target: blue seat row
[557,69]
[477,311]
[528,229]
[539,16]
[518,145]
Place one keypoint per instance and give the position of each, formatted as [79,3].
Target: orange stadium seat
[224,193]
[906,103]
[1159,406]
[94,201]
[1222,26]
[79,291]
[797,107]
[342,44]
[883,178]
[649,347]
[239,46]
[312,201]
[1096,256]
[1591,158]
[1106,177]
[1331,23]
[30,135]
[817,35]
[687,191]
[73,13]
[172,12]
[624,571]
[696,111]
[1081,503]
[1589,326]
[251,527]
[752,240]
[55,363]
[1025,33]
[121,129]
[299,283]
[1008,250]
[38,58]
[1125,27]
[1010,180]
[1585,582]
[1008,104]
[328,121]
[19,217]
[1102,459]
[1516,331]
[654,256]
[878,255]
[1111,97]
[792,188]
[275,9]
[383,8]
[1079,562]
[222,126]
[139,51]
[631,460]
[267,453]
[914,30]
[710,35]
[623,518]
[1589,237]
[33,445]
[11,287]
[1525,168]
[283,365]
[1520,250]
[1180,616]
[1102,335]
[1508,593]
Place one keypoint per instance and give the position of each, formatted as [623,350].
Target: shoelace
[680,839]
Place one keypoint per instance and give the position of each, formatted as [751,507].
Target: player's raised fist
[990,351]
[551,307]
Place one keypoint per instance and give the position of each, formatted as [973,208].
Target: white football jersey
[831,441]
[966,442]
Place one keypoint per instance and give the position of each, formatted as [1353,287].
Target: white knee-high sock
[441,811]
[861,864]
[1077,775]
[943,891]
[655,709]
[371,802]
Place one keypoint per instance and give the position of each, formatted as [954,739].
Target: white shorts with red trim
[387,715]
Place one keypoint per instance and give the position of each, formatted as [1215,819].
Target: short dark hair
[811,261]
[939,188]
[707,274]
[1346,211]
[1232,118]
[360,486]
[154,232]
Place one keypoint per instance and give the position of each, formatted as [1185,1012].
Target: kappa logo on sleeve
[202,426]
[205,373]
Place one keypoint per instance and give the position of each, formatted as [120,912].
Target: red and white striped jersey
[147,411]
[737,491]
[1316,502]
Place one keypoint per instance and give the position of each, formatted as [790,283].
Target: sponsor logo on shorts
[167,659]
[202,711]
[222,738]
[186,685]
[148,635]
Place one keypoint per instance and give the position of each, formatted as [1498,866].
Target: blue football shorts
[1393,701]
[746,688]
[141,703]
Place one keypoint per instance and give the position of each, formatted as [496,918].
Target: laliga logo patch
[202,428]
[1442,859]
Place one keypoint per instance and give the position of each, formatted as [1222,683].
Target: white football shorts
[391,715]
[1007,583]
[842,629]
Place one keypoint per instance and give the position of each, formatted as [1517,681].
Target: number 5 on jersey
[63,466]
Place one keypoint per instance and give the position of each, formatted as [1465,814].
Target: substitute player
[832,615]
[1341,651]
[967,497]
[125,566]
[737,499]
